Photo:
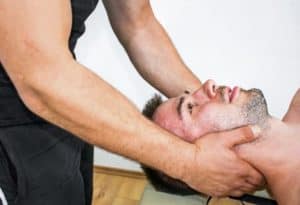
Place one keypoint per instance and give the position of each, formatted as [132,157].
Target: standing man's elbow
[128,17]
[33,70]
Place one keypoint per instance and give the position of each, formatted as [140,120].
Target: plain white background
[250,43]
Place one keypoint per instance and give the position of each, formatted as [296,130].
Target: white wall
[250,43]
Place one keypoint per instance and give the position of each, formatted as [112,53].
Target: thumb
[239,136]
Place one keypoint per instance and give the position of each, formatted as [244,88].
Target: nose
[210,88]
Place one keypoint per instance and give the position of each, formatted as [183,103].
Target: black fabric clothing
[12,110]
[41,166]
[40,163]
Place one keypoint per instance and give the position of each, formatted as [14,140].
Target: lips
[234,93]
[229,95]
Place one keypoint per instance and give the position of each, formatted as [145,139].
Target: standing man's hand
[216,170]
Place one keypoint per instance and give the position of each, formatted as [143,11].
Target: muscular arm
[34,51]
[149,47]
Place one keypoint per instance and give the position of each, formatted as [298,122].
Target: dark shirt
[12,109]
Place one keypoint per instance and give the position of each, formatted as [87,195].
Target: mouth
[229,95]
[234,94]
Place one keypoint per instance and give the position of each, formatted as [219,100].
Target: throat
[271,127]
[281,145]
[288,192]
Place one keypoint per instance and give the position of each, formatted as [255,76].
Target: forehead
[166,110]
[166,114]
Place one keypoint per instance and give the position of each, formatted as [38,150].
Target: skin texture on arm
[149,47]
[34,52]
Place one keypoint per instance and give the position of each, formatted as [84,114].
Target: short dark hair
[158,179]
[152,105]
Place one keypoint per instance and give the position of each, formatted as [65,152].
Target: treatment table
[154,197]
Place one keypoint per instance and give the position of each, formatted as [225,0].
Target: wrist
[183,160]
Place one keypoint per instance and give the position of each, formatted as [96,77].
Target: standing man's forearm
[35,54]
[81,102]
[149,47]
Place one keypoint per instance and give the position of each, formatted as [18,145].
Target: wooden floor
[117,187]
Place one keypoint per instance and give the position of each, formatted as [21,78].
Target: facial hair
[255,110]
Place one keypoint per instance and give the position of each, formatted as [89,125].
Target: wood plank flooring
[120,187]
[117,187]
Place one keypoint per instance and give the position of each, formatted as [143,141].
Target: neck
[282,169]
[272,126]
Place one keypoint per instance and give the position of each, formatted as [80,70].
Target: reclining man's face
[211,108]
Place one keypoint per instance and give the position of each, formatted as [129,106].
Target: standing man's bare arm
[149,47]
[34,51]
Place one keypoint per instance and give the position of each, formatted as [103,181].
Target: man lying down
[212,108]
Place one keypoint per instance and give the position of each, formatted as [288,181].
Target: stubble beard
[255,110]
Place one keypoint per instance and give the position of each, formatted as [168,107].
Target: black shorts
[42,164]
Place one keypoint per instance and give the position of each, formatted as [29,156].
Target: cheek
[177,131]
[204,115]
[221,117]
[174,127]
[209,118]
[197,125]
[206,122]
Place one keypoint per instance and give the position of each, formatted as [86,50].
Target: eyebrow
[179,106]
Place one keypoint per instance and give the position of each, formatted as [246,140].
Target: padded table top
[153,197]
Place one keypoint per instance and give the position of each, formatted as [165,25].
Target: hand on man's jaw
[221,164]
[208,110]
[276,154]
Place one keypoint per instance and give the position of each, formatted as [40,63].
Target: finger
[236,193]
[256,178]
[250,174]
[238,136]
[244,186]
[262,185]
[248,188]
[220,191]
[258,183]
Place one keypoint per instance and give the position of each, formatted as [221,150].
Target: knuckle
[238,183]
[258,181]
[247,190]
[246,170]
[241,172]
[257,178]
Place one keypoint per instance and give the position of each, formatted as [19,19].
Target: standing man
[51,106]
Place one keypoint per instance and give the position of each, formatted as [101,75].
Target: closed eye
[190,107]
